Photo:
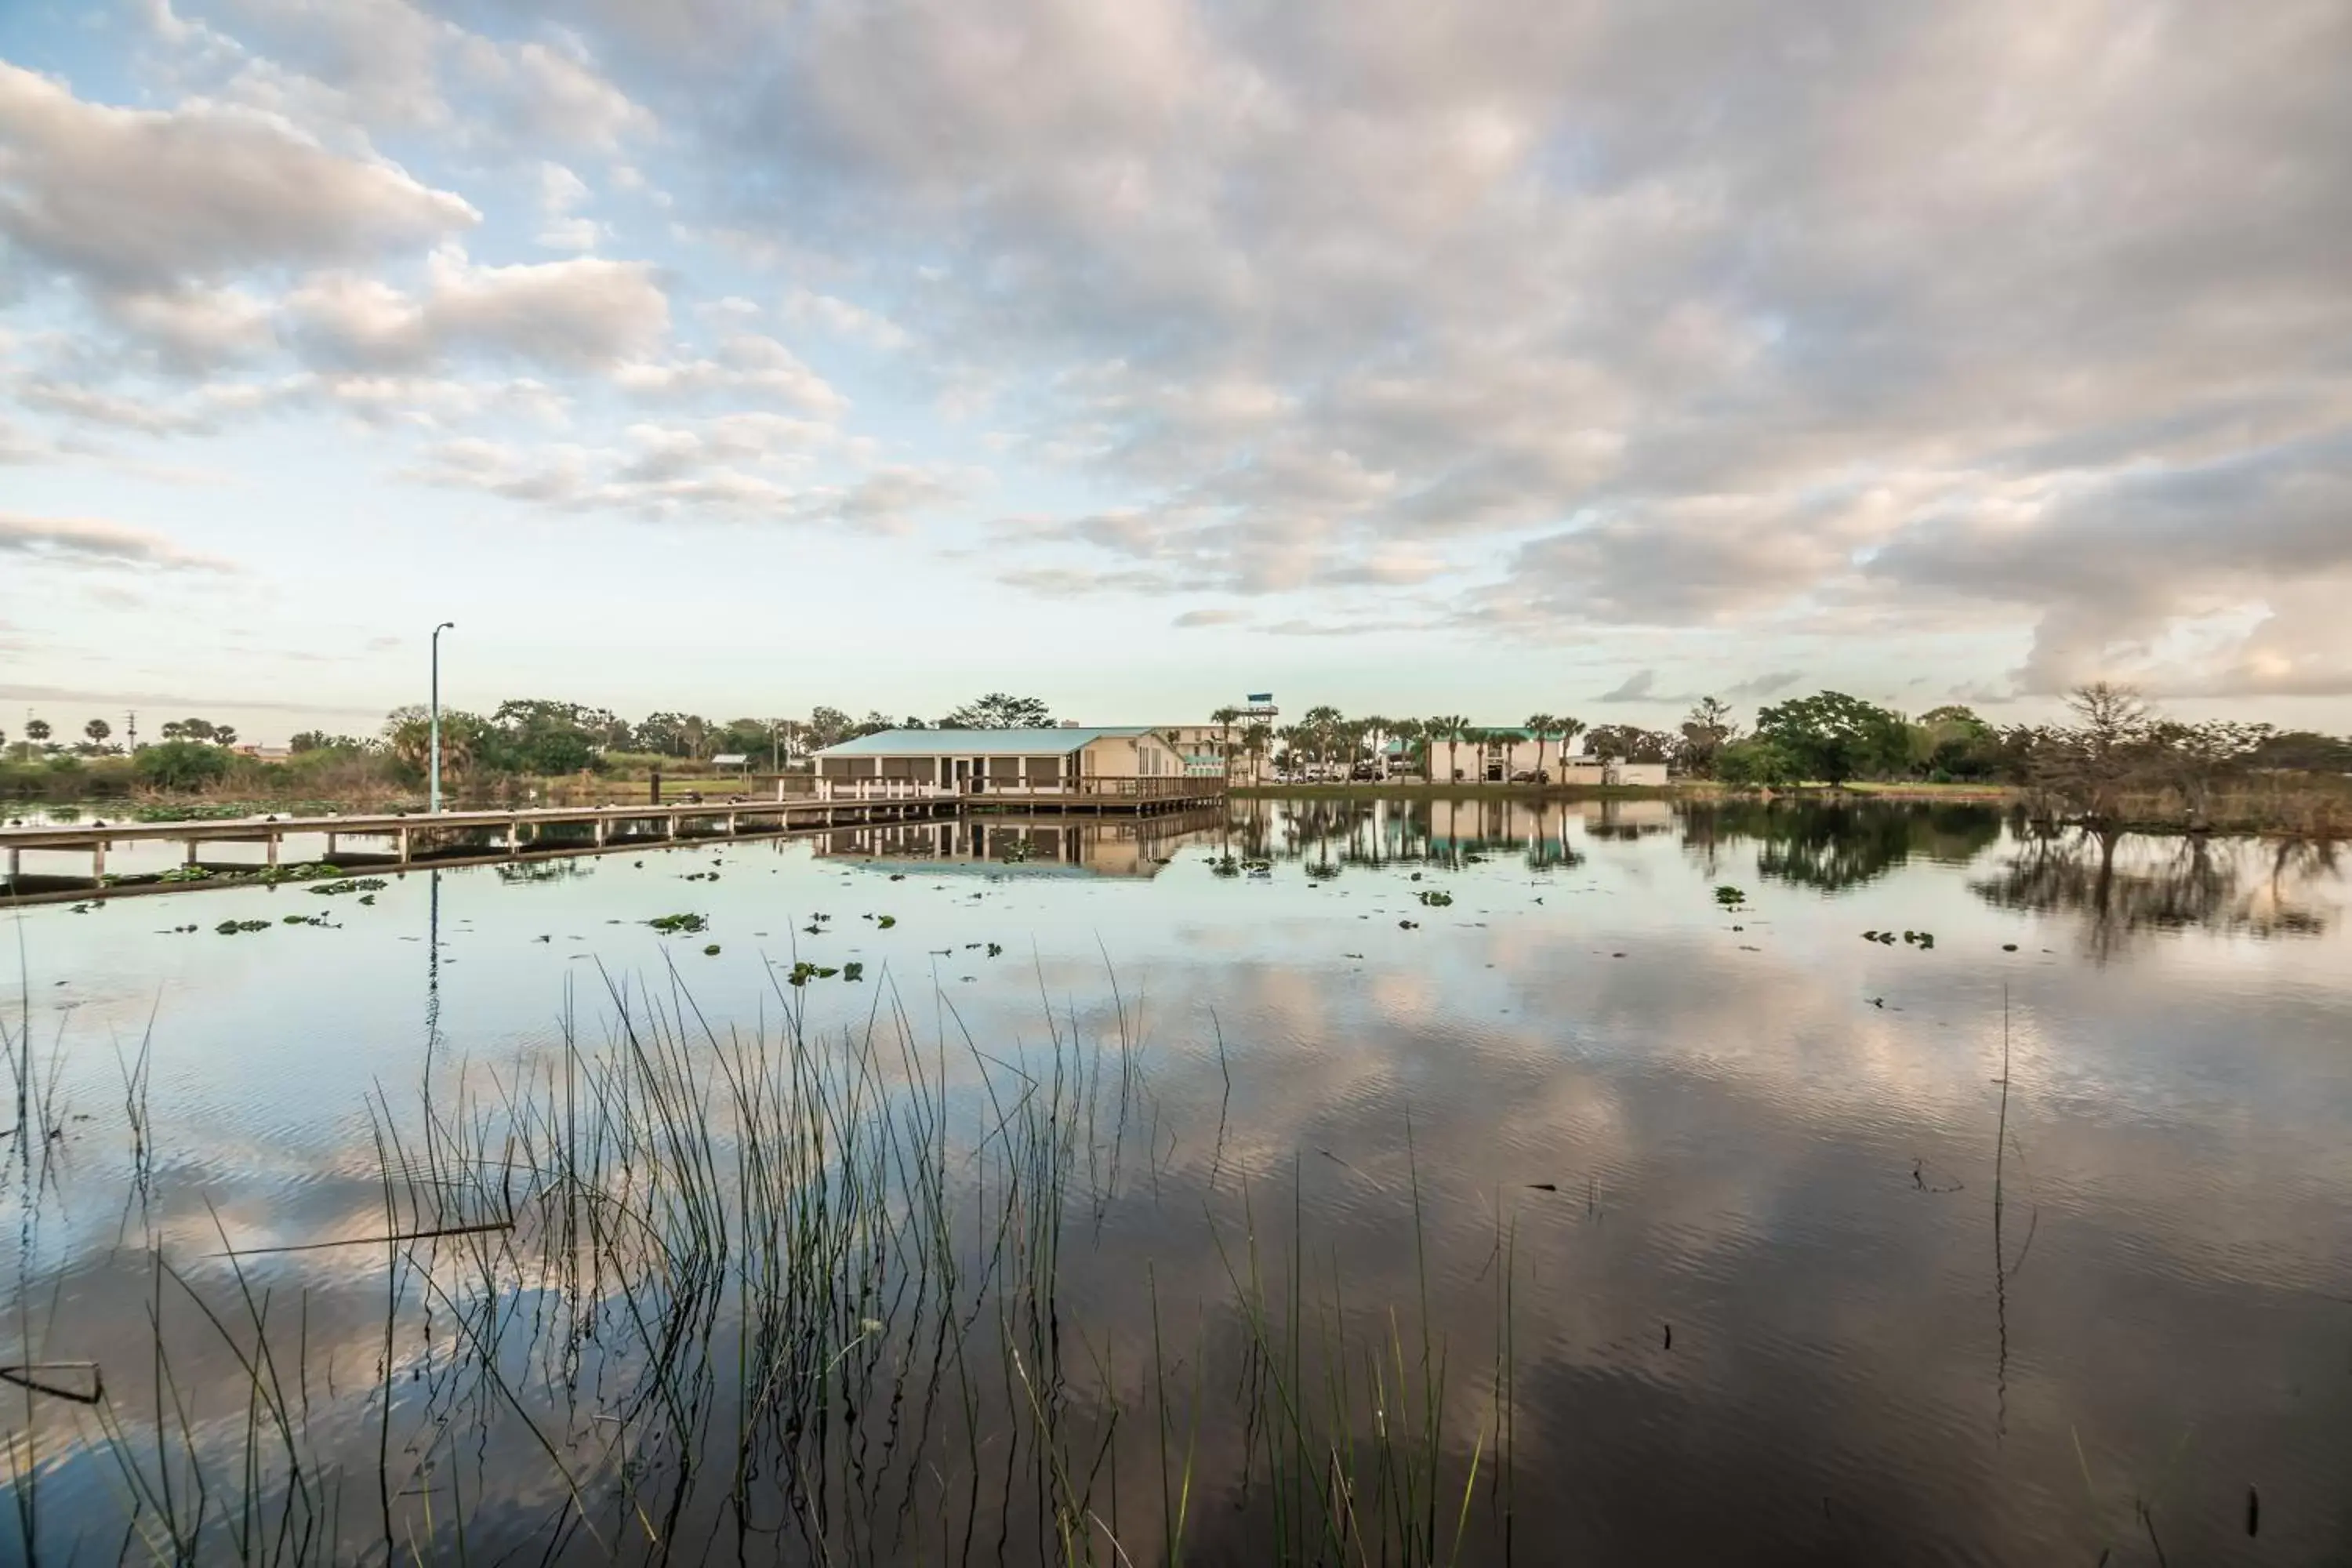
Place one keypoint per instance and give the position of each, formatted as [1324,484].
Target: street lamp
[444,626]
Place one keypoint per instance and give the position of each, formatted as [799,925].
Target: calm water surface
[1688,1230]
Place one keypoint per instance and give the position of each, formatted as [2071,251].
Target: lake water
[1347,1181]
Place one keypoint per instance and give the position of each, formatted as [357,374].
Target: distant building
[1509,754]
[260,753]
[1128,759]
[1212,749]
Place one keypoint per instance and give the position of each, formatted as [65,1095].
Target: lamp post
[444,626]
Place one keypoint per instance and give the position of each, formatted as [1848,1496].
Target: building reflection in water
[1099,846]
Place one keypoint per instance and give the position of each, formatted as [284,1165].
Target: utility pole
[129,732]
[436,796]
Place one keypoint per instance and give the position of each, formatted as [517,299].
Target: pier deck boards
[457,838]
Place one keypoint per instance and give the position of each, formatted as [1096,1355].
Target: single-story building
[1509,752]
[1065,760]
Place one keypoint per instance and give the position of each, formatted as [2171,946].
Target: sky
[1582,356]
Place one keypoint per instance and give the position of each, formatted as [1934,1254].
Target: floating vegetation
[367,897]
[994,949]
[1731,897]
[884,923]
[1319,872]
[853,972]
[186,874]
[1434,899]
[710,950]
[1225,866]
[673,925]
[1408,925]
[804,971]
[230,927]
[353,885]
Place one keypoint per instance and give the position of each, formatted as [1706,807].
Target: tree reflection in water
[1836,846]
[2123,884]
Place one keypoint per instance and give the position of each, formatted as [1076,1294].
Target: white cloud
[843,319]
[745,363]
[143,201]
[584,314]
[90,541]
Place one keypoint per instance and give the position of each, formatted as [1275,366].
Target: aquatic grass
[762,1288]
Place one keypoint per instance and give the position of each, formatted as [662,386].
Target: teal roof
[976,742]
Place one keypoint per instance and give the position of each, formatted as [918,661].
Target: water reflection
[2121,885]
[1837,847]
[1038,845]
[1848,1274]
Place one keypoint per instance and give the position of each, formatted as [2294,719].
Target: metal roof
[977,742]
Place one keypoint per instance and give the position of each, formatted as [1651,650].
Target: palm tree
[1542,726]
[1567,730]
[1479,738]
[1223,719]
[1319,729]
[98,729]
[1256,736]
[1448,728]
[37,731]
[1408,733]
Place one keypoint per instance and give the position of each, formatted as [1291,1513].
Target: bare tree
[2091,760]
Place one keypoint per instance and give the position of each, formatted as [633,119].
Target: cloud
[1208,618]
[139,203]
[1771,683]
[1689,336]
[87,541]
[1642,686]
[2119,565]
[535,94]
[1635,688]
[581,314]
[745,363]
[737,468]
[843,319]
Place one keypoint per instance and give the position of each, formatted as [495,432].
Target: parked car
[1367,773]
[1532,776]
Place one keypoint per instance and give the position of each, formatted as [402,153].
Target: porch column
[98,861]
[402,836]
[273,849]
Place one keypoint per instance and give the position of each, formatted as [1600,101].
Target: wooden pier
[371,840]
[359,841]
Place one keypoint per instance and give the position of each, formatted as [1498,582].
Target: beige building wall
[1130,757]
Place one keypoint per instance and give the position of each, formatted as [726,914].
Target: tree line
[2112,749]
